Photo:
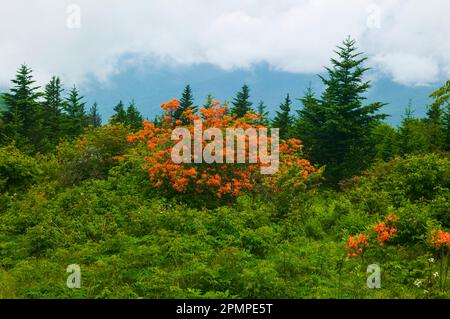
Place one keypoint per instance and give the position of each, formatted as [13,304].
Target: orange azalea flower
[440,239]
[224,179]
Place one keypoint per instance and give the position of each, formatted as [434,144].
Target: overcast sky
[406,40]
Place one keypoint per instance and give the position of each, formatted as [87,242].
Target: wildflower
[436,274]
[431,260]
[418,283]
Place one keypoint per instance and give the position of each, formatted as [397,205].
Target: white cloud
[409,40]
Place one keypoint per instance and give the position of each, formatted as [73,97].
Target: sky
[149,49]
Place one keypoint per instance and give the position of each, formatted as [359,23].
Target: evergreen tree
[263,113]
[241,103]
[134,117]
[75,114]
[446,123]
[309,118]
[186,103]
[209,102]
[337,131]
[441,107]
[95,118]
[120,115]
[22,118]
[52,111]
[283,120]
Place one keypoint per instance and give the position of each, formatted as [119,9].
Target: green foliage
[17,170]
[92,155]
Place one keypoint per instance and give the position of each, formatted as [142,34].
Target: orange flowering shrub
[440,239]
[356,245]
[220,179]
[383,232]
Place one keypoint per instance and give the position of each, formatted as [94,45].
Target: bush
[17,170]
[93,154]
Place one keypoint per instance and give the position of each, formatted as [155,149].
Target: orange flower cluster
[440,239]
[219,179]
[384,232]
[356,245]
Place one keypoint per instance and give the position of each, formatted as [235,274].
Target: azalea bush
[221,180]
[378,235]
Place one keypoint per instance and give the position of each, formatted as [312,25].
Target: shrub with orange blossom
[220,179]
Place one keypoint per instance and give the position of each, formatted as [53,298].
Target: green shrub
[17,170]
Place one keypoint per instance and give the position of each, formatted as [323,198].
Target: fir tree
[263,114]
[241,103]
[186,103]
[22,118]
[75,114]
[283,120]
[209,102]
[95,118]
[52,111]
[134,117]
[120,115]
[337,130]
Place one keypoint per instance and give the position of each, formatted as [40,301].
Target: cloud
[407,40]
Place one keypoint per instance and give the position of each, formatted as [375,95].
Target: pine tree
[22,118]
[52,111]
[241,103]
[337,130]
[95,118]
[120,115]
[75,114]
[263,114]
[186,103]
[134,117]
[283,120]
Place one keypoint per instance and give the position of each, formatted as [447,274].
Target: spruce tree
[263,113]
[186,103]
[283,120]
[75,114]
[339,127]
[52,111]
[95,118]
[309,118]
[22,118]
[120,115]
[134,117]
[241,103]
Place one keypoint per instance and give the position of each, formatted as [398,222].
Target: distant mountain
[152,86]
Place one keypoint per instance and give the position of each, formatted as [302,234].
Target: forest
[351,191]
